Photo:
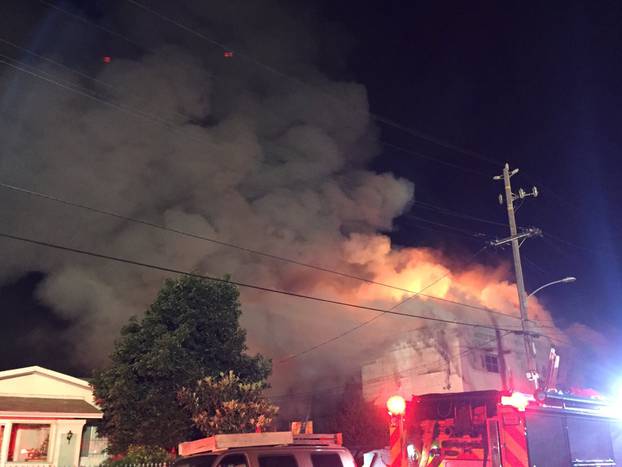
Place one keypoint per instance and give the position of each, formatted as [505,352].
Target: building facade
[451,359]
[47,418]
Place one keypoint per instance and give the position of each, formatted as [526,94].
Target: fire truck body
[493,429]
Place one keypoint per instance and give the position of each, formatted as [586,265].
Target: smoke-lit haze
[237,153]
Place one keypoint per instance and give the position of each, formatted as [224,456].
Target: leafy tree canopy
[140,455]
[228,405]
[190,332]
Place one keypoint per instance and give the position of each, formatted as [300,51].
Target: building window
[29,443]
[490,363]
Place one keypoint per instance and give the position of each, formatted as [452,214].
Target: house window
[490,363]
[92,444]
[29,443]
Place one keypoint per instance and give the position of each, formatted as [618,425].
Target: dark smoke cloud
[249,157]
[240,153]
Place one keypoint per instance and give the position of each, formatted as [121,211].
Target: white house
[47,418]
[451,359]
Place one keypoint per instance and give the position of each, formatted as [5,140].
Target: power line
[432,158]
[535,266]
[272,69]
[465,232]
[77,90]
[35,70]
[238,247]
[252,251]
[257,252]
[172,127]
[454,357]
[142,114]
[69,69]
[443,231]
[169,125]
[376,117]
[56,63]
[117,106]
[457,214]
[385,376]
[150,116]
[132,42]
[135,44]
[573,245]
[372,319]
[82,19]
[244,284]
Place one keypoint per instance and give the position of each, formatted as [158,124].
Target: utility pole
[532,369]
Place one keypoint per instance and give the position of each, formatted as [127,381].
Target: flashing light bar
[518,400]
[396,405]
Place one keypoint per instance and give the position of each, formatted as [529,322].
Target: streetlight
[565,280]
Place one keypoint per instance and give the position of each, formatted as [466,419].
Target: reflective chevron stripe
[514,441]
[395,445]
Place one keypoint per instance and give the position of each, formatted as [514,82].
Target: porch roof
[12,406]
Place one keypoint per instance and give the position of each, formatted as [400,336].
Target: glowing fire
[416,268]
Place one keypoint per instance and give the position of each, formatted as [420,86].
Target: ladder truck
[504,429]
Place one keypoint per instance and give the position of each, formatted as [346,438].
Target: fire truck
[495,428]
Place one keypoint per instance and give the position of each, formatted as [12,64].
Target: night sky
[531,85]
[534,84]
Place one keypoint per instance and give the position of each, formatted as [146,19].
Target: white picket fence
[153,464]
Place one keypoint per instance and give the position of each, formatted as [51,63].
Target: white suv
[304,451]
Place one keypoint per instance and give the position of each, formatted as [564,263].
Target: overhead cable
[241,248]
[244,284]
[372,319]
[376,117]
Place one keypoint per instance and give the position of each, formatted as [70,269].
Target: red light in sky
[228,54]
[106,59]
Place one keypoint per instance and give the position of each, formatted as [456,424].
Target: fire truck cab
[495,429]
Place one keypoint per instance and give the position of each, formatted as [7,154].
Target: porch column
[68,449]
[6,439]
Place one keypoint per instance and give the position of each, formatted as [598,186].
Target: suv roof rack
[329,439]
[221,442]
[241,440]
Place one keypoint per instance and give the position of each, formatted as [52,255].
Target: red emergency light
[396,405]
[106,59]
[228,54]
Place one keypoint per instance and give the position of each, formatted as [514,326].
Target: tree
[140,455]
[190,332]
[228,405]
[364,425]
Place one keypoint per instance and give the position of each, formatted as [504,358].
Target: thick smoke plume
[227,149]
